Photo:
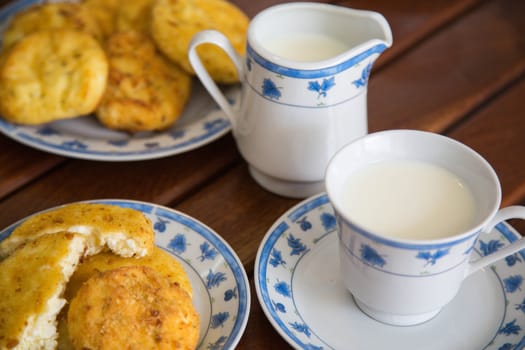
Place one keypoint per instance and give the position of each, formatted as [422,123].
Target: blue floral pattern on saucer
[288,254]
[221,291]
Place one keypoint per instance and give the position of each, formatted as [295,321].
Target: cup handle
[512,212]
[219,39]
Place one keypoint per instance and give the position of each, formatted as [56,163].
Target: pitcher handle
[219,39]
[512,212]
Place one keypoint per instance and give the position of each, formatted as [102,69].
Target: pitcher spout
[368,30]
[325,36]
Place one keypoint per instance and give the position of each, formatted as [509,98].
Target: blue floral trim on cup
[408,246]
[425,260]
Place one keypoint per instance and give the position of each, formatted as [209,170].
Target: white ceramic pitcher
[304,89]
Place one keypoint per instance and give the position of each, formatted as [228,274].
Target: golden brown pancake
[104,12]
[132,307]
[134,15]
[145,92]
[50,75]
[160,261]
[175,22]
[51,15]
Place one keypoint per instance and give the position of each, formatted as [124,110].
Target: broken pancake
[132,307]
[32,280]
[125,231]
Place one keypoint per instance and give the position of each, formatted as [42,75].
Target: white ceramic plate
[201,123]
[221,292]
[299,288]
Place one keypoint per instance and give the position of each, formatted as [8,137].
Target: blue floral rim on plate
[176,141]
[211,262]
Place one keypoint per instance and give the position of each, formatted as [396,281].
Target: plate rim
[15,132]
[257,266]
[19,133]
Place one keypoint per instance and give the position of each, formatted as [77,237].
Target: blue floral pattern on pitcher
[323,87]
[363,79]
[316,88]
[270,90]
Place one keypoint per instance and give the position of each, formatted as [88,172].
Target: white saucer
[221,290]
[299,288]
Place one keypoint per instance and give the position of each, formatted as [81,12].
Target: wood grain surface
[455,68]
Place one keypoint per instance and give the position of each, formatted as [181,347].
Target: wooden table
[456,67]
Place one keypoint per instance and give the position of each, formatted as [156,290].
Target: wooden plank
[160,181]
[496,132]
[20,165]
[443,79]
[238,209]
[412,22]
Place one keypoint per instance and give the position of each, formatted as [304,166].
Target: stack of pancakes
[124,61]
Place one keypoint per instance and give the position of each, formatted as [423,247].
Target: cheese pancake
[125,231]
[104,12]
[51,75]
[132,307]
[32,281]
[175,22]
[134,15]
[51,15]
[145,92]
[159,260]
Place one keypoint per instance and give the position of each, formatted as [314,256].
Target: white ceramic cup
[408,281]
[295,114]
